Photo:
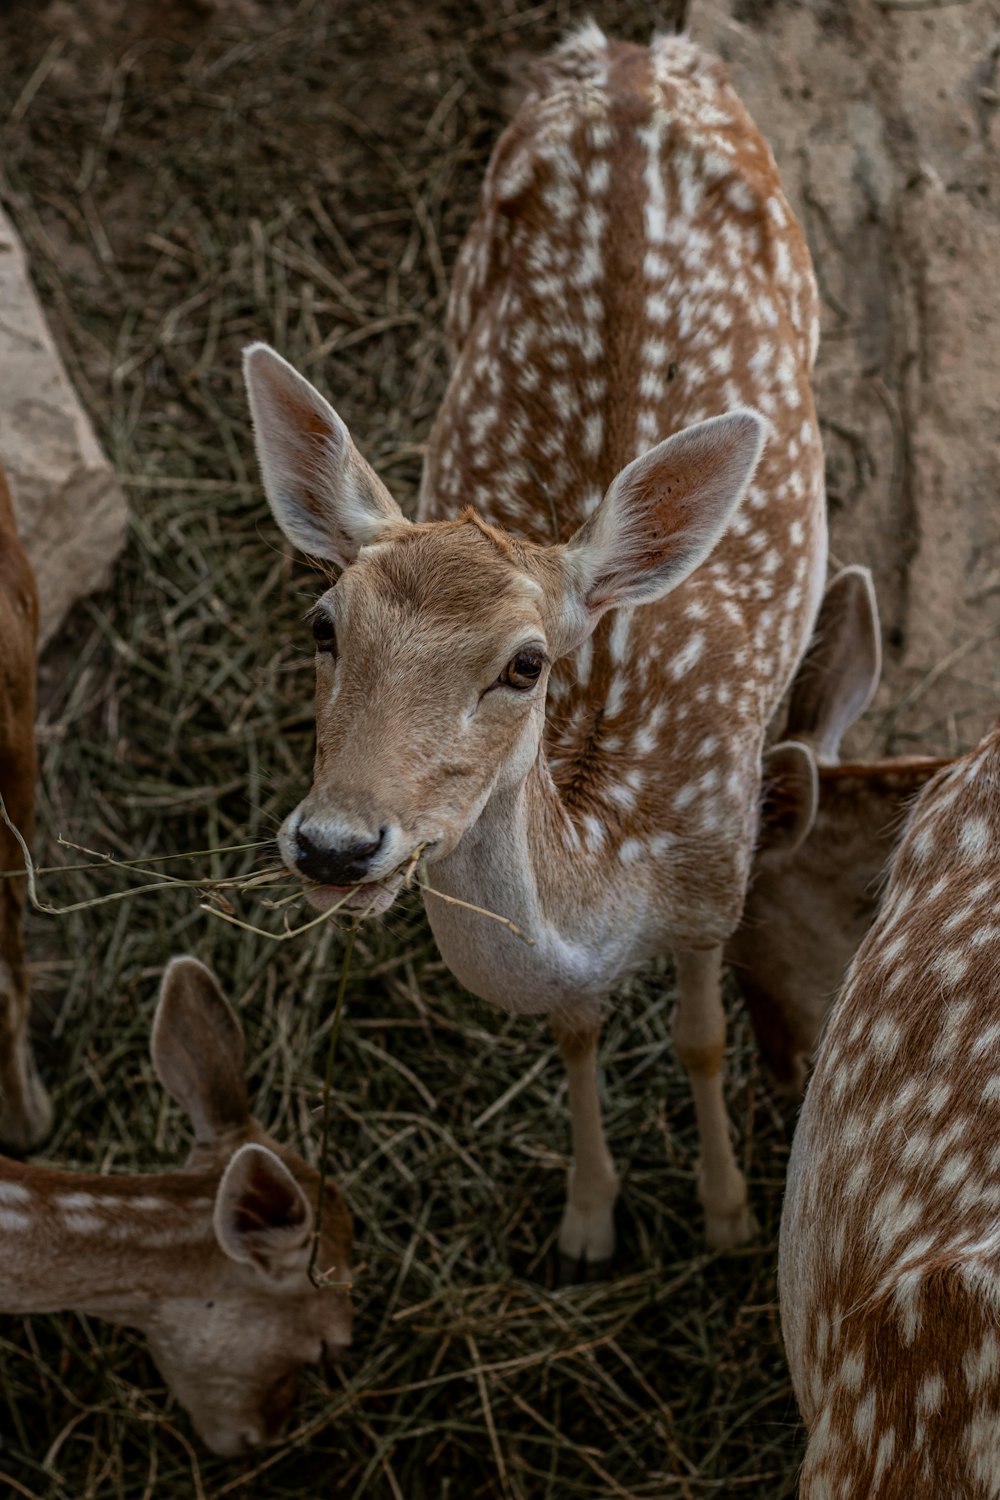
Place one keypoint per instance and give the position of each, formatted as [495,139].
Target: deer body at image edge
[25,1109]
[889,1275]
[557,684]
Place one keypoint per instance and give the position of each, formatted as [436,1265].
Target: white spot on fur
[618,639]
[975,837]
[594,833]
[688,656]
[84,1223]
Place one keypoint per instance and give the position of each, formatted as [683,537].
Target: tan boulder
[71,513]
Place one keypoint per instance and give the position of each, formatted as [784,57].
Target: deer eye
[522,671]
[324,634]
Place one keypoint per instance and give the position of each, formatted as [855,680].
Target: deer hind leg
[699,1033]
[587,1233]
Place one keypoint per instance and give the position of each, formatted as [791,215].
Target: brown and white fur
[890,1248]
[557,684]
[25,1110]
[209,1261]
[828,830]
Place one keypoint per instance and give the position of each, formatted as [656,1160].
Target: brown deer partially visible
[890,1247]
[25,1110]
[827,833]
[210,1261]
[556,686]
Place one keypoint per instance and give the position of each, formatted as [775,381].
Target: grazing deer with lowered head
[211,1261]
[25,1109]
[889,1273]
[556,684]
[827,833]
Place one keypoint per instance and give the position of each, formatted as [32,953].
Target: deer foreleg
[699,1033]
[587,1233]
[25,1109]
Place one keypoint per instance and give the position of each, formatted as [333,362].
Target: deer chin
[369,900]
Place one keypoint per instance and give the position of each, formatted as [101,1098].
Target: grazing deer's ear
[262,1216]
[327,500]
[839,673]
[790,802]
[665,512]
[197,1049]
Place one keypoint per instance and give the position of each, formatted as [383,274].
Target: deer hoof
[574,1272]
[727,1231]
[587,1235]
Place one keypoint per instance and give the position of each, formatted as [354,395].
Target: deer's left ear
[664,513]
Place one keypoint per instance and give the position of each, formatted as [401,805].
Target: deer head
[232,1349]
[434,646]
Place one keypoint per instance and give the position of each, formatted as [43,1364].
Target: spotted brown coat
[890,1252]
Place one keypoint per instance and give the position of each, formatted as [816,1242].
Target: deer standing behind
[889,1272]
[827,833]
[211,1261]
[25,1109]
[556,684]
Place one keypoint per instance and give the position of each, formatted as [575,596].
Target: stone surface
[70,511]
[884,123]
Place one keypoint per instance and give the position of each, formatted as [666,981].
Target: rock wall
[70,511]
[883,117]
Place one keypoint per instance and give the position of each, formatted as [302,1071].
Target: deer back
[635,268]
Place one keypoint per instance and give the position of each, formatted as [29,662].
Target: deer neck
[528,860]
[113,1247]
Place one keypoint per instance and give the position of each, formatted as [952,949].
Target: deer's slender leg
[699,1032]
[25,1108]
[587,1233]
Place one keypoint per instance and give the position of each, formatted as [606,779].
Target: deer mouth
[370,899]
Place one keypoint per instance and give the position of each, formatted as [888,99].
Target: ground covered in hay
[187,177]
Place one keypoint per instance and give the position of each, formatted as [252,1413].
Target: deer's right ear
[327,500]
[197,1048]
[840,671]
[790,802]
[664,513]
[262,1216]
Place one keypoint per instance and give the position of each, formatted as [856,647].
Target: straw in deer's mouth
[370,897]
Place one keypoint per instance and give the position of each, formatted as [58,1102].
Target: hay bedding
[188,177]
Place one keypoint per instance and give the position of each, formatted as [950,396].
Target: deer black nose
[333,864]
